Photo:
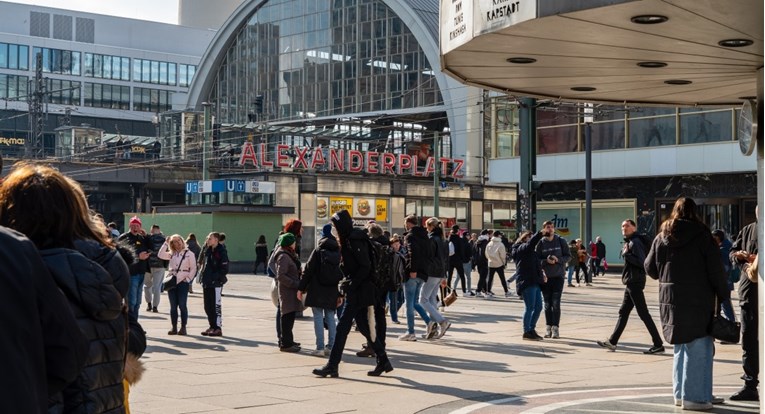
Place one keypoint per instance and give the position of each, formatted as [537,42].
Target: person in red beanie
[136,238]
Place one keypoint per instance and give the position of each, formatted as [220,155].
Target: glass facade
[152,71]
[107,67]
[107,96]
[14,56]
[152,100]
[12,86]
[561,130]
[320,58]
[64,62]
[63,92]
[186,74]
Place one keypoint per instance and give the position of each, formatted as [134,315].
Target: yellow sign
[340,203]
[381,209]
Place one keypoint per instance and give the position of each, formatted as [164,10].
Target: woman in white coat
[183,265]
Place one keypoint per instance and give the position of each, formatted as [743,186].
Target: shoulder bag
[171,281]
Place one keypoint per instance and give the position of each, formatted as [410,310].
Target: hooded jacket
[496,252]
[479,251]
[527,264]
[418,252]
[94,279]
[215,266]
[317,294]
[458,245]
[355,260]
[634,253]
[687,265]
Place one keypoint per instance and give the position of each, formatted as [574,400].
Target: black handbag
[170,280]
[725,330]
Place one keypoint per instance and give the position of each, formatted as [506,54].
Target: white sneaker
[443,326]
[431,331]
[327,351]
[690,405]
[317,352]
[548,331]
[508,294]
[470,293]
[409,337]
[555,332]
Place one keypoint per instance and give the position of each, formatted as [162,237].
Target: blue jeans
[468,267]
[412,289]
[570,273]
[532,298]
[178,298]
[428,298]
[395,300]
[692,370]
[321,317]
[134,293]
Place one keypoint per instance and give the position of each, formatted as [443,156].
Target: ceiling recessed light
[521,60]
[735,42]
[651,64]
[748,98]
[583,88]
[649,19]
[678,82]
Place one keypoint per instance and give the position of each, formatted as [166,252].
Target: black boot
[173,331]
[746,394]
[383,365]
[326,370]
[183,330]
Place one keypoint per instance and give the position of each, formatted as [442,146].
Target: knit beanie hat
[286,239]
[326,231]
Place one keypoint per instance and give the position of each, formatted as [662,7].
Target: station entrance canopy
[651,52]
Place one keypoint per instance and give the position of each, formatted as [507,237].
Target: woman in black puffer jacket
[52,211]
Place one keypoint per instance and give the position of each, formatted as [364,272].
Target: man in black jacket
[138,240]
[481,263]
[456,259]
[42,349]
[742,254]
[633,278]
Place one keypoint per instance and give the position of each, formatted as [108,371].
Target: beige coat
[288,278]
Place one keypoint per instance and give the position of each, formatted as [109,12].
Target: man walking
[157,267]
[456,259]
[744,254]
[633,277]
[481,263]
[599,257]
[553,252]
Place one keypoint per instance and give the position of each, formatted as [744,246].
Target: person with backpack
[481,263]
[356,262]
[553,253]
[496,254]
[417,251]
[382,279]
[633,277]
[439,257]
[318,288]
[456,252]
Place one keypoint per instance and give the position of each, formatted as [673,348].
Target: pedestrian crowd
[77,340]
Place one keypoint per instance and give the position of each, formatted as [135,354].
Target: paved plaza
[480,366]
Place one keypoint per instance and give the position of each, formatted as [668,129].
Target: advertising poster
[340,203]
[381,210]
[322,208]
[363,208]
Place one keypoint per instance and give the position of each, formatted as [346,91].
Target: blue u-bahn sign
[230,186]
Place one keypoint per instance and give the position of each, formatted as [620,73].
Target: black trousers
[287,322]
[212,303]
[635,298]
[583,268]
[499,271]
[354,310]
[381,323]
[750,343]
[552,292]
[483,273]
[460,273]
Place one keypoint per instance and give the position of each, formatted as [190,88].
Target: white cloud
[165,11]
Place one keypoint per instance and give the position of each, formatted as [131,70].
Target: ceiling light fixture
[521,60]
[583,88]
[678,82]
[651,64]
[735,42]
[649,19]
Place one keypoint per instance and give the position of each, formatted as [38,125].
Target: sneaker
[148,308]
[327,351]
[409,337]
[508,294]
[490,293]
[607,344]
[470,293]
[717,400]
[292,349]
[548,332]
[696,406]
[479,294]
[431,330]
[654,350]
[443,327]
[215,332]
[571,285]
[315,352]
[588,284]
[746,394]
[555,332]
[367,352]
[154,309]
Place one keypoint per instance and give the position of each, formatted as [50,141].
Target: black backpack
[381,260]
[329,272]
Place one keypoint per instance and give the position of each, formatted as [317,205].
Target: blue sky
[155,10]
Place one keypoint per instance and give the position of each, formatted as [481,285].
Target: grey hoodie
[556,247]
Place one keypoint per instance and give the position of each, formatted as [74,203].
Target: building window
[14,56]
[13,87]
[152,100]
[107,96]
[107,67]
[186,74]
[152,71]
[700,126]
[63,92]
[64,62]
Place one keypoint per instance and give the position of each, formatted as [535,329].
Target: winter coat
[215,266]
[527,264]
[634,253]
[261,252]
[138,243]
[42,348]
[183,264]
[195,248]
[319,295]
[601,250]
[355,260]
[440,248]
[556,247]
[479,252]
[456,243]
[687,265]
[746,241]
[288,279]
[94,279]
[418,252]
[573,251]
[157,240]
[496,252]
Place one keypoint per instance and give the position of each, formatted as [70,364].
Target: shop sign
[230,186]
[351,161]
[456,24]
[340,203]
[381,210]
[11,141]
[363,209]
[493,15]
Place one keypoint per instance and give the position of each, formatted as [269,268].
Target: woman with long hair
[52,211]
[295,226]
[183,266]
[686,261]
[213,278]
[530,281]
